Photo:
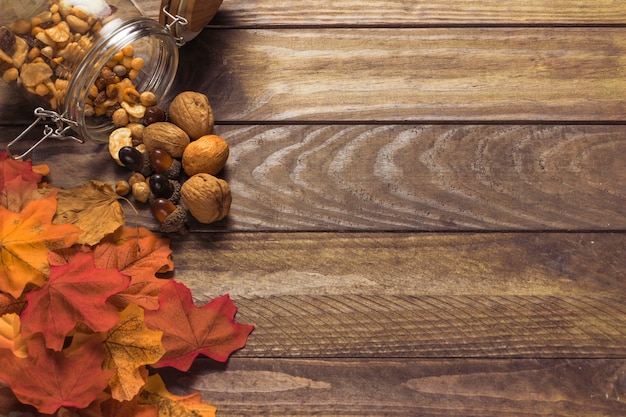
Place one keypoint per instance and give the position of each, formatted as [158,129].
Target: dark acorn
[161,186]
[131,158]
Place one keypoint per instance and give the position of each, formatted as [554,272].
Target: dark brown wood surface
[429,206]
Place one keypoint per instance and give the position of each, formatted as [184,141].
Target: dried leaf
[26,238]
[171,405]
[189,330]
[130,345]
[10,335]
[75,293]
[94,207]
[49,380]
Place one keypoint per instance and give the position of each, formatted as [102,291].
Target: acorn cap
[175,221]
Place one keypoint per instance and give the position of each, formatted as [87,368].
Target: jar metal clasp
[63,125]
[175,26]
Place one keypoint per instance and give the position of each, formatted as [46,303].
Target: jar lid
[197,13]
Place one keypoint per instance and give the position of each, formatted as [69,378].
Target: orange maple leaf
[130,345]
[26,238]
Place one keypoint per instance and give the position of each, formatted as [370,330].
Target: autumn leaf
[9,304]
[169,404]
[131,408]
[140,254]
[93,207]
[49,380]
[189,330]
[75,293]
[11,169]
[130,345]
[17,193]
[10,335]
[26,238]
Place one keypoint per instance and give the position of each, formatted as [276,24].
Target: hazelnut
[206,154]
[141,191]
[122,188]
[192,112]
[206,197]
[166,136]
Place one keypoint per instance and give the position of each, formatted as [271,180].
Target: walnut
[206,154]
[192,112]
[206,197]
[166,136]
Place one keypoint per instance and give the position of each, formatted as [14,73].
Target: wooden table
[429,206]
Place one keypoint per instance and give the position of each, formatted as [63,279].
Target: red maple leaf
[49,380]
[11,169]
[189,330]
[76,292]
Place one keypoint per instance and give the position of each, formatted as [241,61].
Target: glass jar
[77,61]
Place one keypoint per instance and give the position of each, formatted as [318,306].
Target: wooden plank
[449,387]
[397,12]
[400,177]
[408,75]
[416,295]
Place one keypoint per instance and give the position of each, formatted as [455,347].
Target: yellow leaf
[94,207]
[10,335]
[155,393]
[26,239]
[130,346]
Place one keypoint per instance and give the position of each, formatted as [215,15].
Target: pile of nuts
[174,157]
[41,53]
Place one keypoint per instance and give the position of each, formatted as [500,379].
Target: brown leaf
[94,207]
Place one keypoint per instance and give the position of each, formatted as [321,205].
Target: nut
[117,140]
[192,112]
[122,188]
[77,24]
[35,73]
[136,177]
[148,98]
[59,33]
[141,191]
[206,154]
[136,111]
[166,136]
[206,197]
[120,119]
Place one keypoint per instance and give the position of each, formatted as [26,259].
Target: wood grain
[416,295]
[265,13]
[371,387]
[451,74]
[400,177]
[447,75]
